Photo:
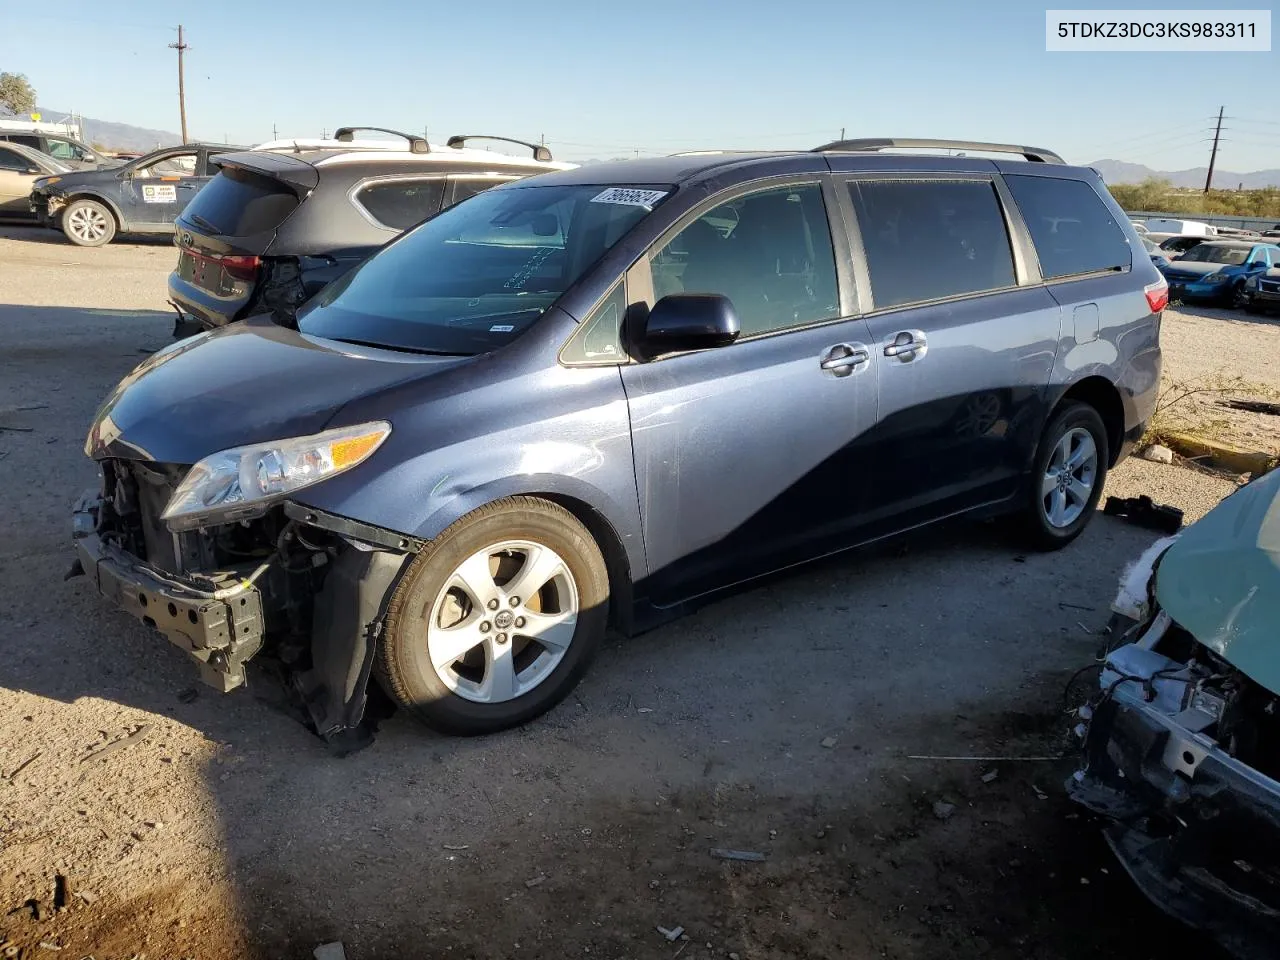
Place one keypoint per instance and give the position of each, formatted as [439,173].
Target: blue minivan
[600,397]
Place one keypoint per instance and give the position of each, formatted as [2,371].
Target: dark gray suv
[602,396]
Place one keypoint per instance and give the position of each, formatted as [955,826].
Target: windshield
[479,274]
[1216,253]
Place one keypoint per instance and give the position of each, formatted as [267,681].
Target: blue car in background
[1218,271]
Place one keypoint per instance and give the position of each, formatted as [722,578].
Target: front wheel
[1238,299]
[1066,481]
[88,223]
[497,619]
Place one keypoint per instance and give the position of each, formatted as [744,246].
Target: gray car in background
[603,396]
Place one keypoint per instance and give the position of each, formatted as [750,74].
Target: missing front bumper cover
[220,628]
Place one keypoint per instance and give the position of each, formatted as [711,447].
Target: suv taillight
[1157,295]
[240,268]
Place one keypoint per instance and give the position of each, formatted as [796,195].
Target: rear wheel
[497,619]
[1066,481]
[88,223]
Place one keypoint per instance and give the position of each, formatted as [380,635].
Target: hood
[1221,580]
[246,383]
[1203,269]
[68,182]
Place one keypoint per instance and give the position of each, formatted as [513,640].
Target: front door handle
[907,345]
[845,358]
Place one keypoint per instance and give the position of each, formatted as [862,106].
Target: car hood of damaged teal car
[1220,580]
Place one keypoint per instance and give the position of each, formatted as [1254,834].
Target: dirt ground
[786,721]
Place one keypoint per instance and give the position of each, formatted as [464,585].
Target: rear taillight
[240,268]
[1157,295]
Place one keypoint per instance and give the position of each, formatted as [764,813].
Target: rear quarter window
[1072,229]
[399,204]
[238,203]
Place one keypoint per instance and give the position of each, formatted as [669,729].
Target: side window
[12,160]
[929,239]
[177,165]
[32,142]
[461,188]
[399,204]
[769,252]
[1071,227]
[599,338]
[65,150]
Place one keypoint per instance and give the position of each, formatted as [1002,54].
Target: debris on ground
[1144,512]
[1251,406]
[748,856]
[330,951]
[644,710]
[38,910]
[943,810]
[61,892]
[536,881]
[990,776]
[20,767]
[673,934]
[828,742]
[1158,453]
[455,846]
[116,745]
[1040,794]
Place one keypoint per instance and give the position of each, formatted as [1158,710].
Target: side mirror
[690,321]
[1258,265]
[36,171]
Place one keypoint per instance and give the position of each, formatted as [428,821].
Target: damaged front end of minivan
[218,559]
[1182,742]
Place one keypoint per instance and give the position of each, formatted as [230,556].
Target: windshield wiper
[201,221]
[399,348]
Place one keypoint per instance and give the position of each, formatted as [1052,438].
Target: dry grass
[1191,407]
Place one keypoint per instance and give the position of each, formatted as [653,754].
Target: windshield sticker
[159,193]
[630,197]
[501,328]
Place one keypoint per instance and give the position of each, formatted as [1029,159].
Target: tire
[1047,532]
[1237,299]
[437,609]
[88,223]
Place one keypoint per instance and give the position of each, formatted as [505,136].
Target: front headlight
[42,182]
[1251,283]
[1216,278]
[241,482]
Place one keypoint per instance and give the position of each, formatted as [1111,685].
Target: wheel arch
[102,199]
[1101,394]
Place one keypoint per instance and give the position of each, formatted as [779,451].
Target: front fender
[92,194]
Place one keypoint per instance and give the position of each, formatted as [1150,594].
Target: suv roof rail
[416,144]
[876,144]
[540,152]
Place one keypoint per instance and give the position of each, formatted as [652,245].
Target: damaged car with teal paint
[1182,740]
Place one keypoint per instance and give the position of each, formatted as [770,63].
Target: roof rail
[416,144]
[876,144]
[540,152]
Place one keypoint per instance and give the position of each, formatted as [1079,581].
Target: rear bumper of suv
[207,308]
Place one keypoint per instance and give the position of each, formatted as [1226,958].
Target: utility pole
[1208,180]
[274,135]
[181,47]
[842,133]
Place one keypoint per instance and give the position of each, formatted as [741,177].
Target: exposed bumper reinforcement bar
[219,628]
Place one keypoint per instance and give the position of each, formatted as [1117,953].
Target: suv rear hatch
[224,234]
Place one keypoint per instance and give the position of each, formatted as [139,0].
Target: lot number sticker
[629,196]
[159,193]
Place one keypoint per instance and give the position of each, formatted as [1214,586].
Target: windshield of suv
[479,274]
[1216,253]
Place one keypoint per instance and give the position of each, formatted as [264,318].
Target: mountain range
[1119,171]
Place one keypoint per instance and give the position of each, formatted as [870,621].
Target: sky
[601,80]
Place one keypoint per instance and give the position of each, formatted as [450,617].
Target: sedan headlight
[42,182]
[1216,278]
[241,482]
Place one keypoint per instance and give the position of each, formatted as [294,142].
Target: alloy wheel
[87,223]
[1069,478]
[503,621]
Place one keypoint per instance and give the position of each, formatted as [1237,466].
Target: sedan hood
[246,383]
[1221,580]
[1203,269]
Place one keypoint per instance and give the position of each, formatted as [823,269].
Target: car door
[964,339]
[741,452]
[157,192]
[16,179]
